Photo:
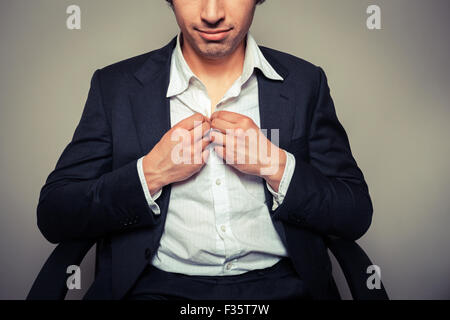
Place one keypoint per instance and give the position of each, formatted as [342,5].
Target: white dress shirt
[217,221]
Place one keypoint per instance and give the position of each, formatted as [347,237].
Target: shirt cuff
[278,197]
[150,200]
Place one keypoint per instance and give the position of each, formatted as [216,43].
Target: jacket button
[147,253]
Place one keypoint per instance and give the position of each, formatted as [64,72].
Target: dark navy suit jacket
[95,193]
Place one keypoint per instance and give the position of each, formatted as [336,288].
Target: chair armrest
[354,262]
[50,283]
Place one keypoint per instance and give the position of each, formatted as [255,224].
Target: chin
[214,50]
[216,53]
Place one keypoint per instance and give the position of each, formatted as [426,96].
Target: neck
[230,66]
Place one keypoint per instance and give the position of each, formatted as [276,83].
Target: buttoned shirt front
[217,221]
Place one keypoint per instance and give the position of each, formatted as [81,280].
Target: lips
[214,35]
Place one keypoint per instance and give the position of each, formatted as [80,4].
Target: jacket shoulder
[297,67]
[127,65]
[131,65]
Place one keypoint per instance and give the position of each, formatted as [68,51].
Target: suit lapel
[150,107]
[275,109]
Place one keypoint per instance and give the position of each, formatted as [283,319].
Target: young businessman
[214,227]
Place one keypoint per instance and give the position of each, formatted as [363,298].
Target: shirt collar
[181,74]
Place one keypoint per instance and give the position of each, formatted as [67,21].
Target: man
[209,226]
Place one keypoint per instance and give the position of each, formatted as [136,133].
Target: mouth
[214,35]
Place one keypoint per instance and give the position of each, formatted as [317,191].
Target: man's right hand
[162,168]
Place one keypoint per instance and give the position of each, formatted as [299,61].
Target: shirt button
[228,265]
[218,182]
[223,228]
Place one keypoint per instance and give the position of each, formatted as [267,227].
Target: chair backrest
[354,263]
[50,283]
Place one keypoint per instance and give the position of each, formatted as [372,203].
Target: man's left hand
[240,143]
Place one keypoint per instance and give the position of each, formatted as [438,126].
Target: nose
[212,12]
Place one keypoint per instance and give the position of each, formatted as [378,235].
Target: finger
[205,155]
[222,125]
[198,133]
[192,122]
[197,151]
[202,143]
[205,142]
[200,155]
[220,151]
[218,138]
[227,157]
[229,116]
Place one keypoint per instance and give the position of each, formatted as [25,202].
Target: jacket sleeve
[83,197]
[327,193]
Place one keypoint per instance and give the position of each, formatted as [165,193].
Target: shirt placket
[226,240]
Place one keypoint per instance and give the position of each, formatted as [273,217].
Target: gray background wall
[391,89]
